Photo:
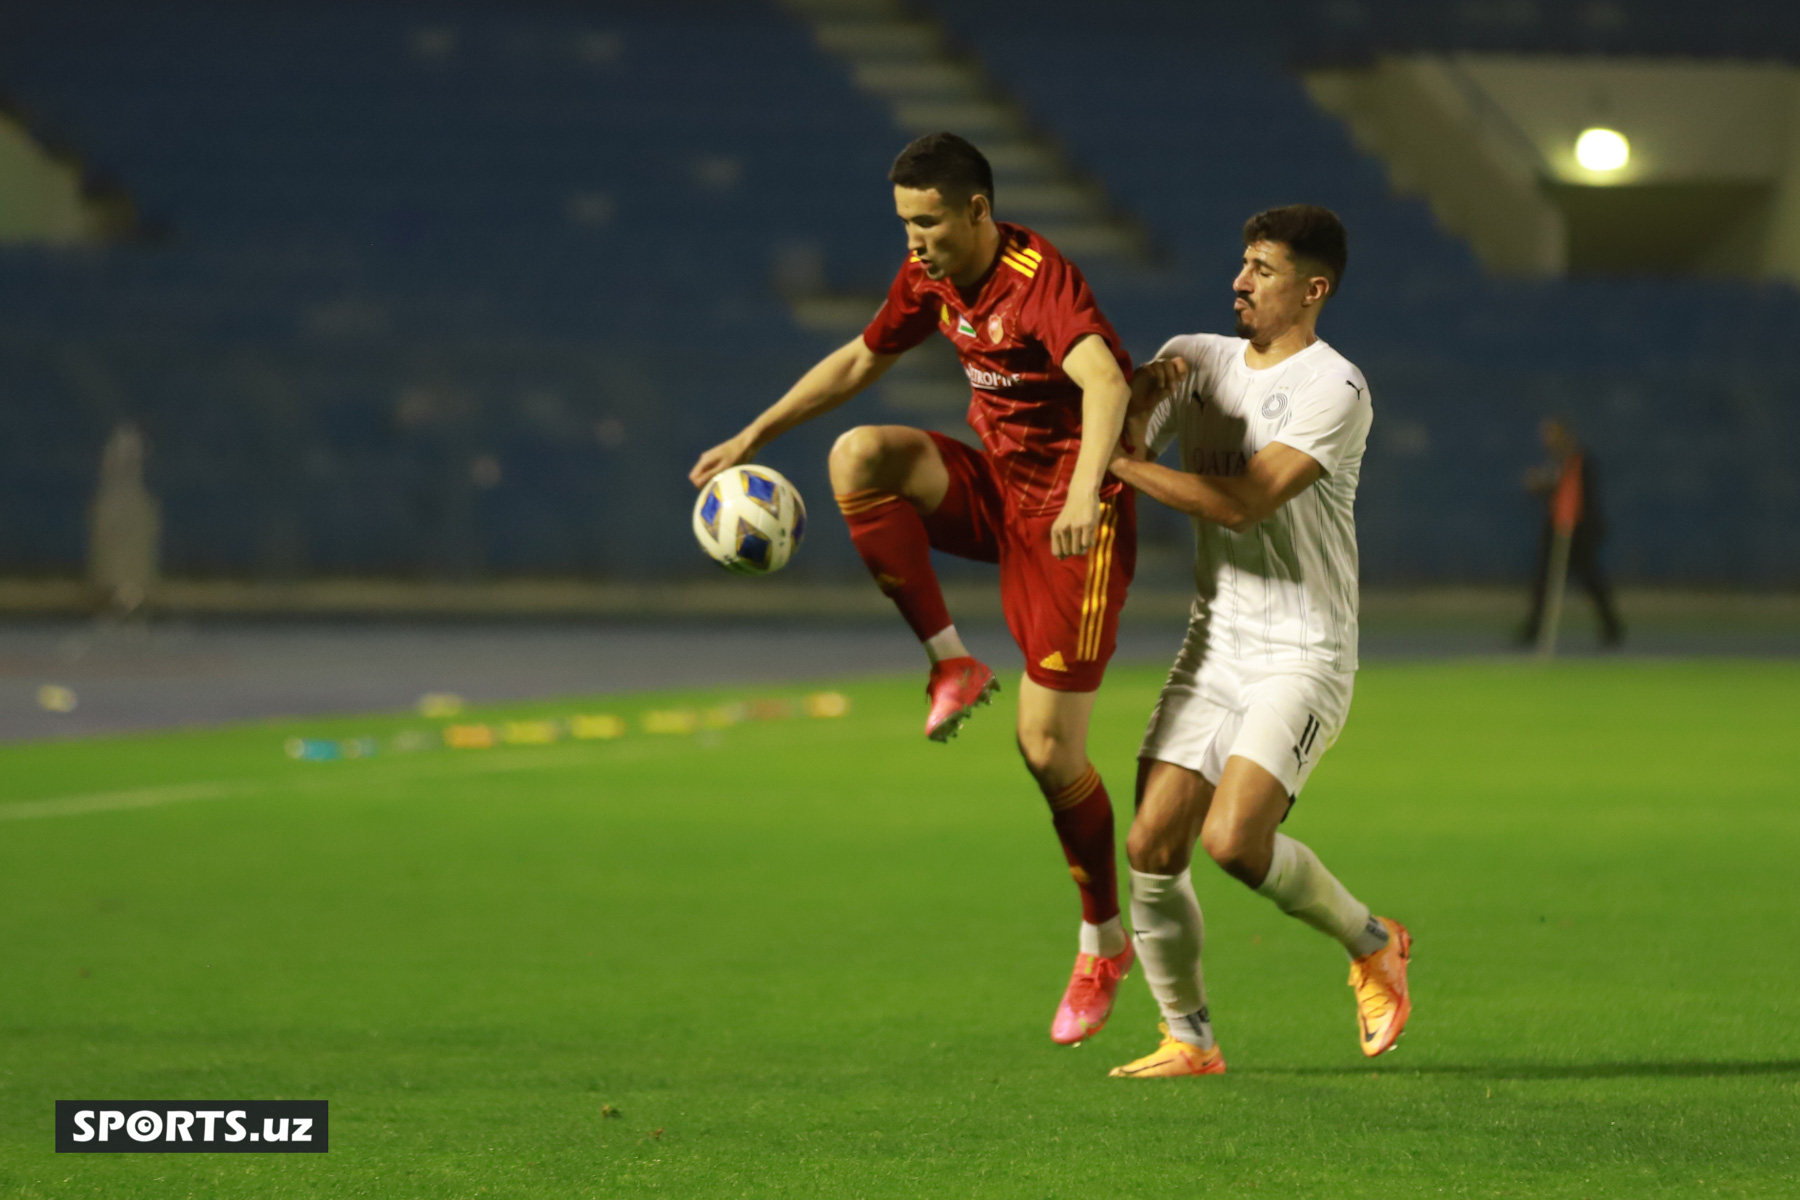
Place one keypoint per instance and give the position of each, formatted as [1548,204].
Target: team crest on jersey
[1274,405]
[996,329]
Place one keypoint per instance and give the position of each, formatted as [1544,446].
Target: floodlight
[1602,149]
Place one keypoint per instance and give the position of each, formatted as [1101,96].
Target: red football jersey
[1011,329]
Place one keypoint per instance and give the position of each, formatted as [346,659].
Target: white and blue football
[750,520]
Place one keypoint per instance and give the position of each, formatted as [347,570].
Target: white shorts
[1283,719]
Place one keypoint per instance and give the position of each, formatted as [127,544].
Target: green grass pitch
[819,957]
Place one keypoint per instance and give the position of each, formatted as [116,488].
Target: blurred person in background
[1568,457]
[124,526]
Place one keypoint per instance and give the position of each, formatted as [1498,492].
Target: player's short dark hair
[1313,235]
[947,163]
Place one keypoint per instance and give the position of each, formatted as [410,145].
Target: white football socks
[1169,930]
[945,643]
[1301,887]
[1106,939]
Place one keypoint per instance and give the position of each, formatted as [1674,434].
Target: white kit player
[1271,425]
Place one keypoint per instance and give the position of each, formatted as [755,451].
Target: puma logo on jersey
[1053,661]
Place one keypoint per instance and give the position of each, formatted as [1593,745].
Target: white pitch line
[382,771]
[70,806]
[178,793]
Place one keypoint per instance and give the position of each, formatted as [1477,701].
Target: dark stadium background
[457,292]
[352,359]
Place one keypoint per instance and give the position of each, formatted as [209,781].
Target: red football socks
[893,543]
[1083,816]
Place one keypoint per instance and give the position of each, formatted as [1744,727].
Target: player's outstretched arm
[1104,398]
[834,379]
[1276,474]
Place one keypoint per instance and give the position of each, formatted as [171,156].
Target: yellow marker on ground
[827,704]
[723,717]
[530,733]
[601,726]
[673,720]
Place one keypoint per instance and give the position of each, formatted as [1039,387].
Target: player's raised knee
[857,458]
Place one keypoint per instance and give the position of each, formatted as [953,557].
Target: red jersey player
[1050,393]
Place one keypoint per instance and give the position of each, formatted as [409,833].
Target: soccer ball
[750,520]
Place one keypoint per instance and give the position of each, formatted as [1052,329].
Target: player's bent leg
[1053,729]
[1247,806]
[887,478]
[1239,833]
[895,459]
[1052,735]
[1167,926]
[1172,803]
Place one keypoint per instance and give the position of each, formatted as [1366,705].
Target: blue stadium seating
[397,240]
[1193,116]
[534,221]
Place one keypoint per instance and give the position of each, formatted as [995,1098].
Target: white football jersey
[1285,592]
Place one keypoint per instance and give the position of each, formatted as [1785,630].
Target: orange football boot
[1088,1000]
[1172,1059]
[1379,979]
[956,686]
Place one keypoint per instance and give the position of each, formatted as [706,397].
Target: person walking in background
[1571,466]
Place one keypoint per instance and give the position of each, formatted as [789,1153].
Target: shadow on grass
[1599,1070]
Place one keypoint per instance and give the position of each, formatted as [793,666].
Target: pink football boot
[956,686]
[1089,1000]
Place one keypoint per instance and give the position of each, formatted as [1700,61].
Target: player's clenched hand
[1159,377]
[1151,384]
[721,456]
[1073,531]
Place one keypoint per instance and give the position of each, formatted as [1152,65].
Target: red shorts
[1063,613]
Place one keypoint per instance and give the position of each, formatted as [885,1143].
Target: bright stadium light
[1602,149]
